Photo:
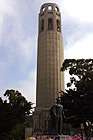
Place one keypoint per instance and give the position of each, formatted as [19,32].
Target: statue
[56,118]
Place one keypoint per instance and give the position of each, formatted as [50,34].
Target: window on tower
[43,9]
[42,25]
[50,7]
[58,26]
[50,24]
[57,9]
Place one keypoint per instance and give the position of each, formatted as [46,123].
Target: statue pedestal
[59,137]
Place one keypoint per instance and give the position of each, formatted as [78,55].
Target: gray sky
[18,39]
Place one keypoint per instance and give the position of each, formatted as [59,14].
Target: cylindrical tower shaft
[50,81]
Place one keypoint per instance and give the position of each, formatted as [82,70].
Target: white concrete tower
[50,81]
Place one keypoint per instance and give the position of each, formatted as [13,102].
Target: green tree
[13,112]
[78,98]
[18,103]
[17,132]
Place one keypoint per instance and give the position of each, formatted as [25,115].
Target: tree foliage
[13,111]
[78,98]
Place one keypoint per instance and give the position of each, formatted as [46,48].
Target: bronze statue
[56,118]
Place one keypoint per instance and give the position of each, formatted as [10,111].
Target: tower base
[41,119]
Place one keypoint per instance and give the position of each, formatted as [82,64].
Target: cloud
[18,47]
[28,49]
[5,8]
[77,28]
[28,87]
[81,49]
[78,9]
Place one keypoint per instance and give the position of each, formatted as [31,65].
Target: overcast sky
[18,39]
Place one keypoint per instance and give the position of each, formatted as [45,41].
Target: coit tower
[50,80]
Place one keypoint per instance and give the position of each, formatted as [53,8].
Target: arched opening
[57,9]
[43,9]
[58,26]
[49,7]
[50,24]
[42,25]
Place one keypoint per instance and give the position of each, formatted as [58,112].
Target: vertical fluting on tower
[50,81]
